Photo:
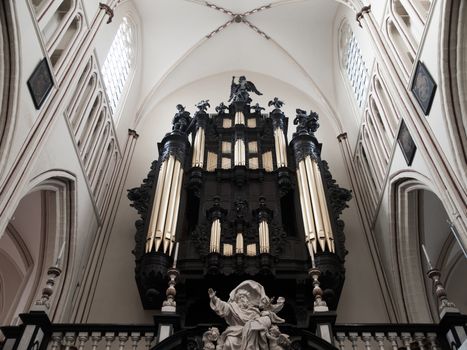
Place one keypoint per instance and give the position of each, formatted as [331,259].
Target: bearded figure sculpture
[251,317]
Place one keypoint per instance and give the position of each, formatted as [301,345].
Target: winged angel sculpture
[239,92]
[252,320]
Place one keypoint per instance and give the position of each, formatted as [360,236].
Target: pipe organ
[242,203]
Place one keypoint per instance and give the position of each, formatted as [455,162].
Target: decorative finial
[169,305]
[435,275]
[319,305]
[52,273]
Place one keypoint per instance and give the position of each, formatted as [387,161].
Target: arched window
[353,64]
[118,63]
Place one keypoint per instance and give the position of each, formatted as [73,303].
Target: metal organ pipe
[239,243]
[319,222]
[215,245]
[242,153]
[164,201]
[194,161]
[277,147]
[324,208]
[283,148]
[239,152]
[307,203]
[155,207]
[239,118]
[171,206]
[177,205]
[164,216]
[198,148]
[315,212]
[263,237]
[281,153]
[201,148]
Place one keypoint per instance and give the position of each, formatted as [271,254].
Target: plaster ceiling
[183,41]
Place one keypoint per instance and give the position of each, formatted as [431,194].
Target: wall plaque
[406,143]
[423,87]
[40,83]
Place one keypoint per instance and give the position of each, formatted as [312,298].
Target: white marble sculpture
[251,317]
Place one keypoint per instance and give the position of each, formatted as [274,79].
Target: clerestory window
[357,73]
[118,63]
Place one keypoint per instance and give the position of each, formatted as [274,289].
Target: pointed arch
[415,206]
[9,77]
[40,234]
[453,79]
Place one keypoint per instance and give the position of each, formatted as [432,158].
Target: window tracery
[118,64]
[353,64]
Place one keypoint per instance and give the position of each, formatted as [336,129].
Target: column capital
[108,11]
[133,133]
[359,14]
[342,136]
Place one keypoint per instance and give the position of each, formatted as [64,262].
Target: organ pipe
[263,237]
[324,208]
[170,208]
[239,243]
[307,204]
[279,142]
[198,148]
[164,202]
[177,205]
[155,208]
[215,245]
[164,216]
[319,224]
[316,220]
[239,118]
[239,152]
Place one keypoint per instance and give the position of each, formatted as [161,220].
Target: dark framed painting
[40,83]
[406,143]
[423,87]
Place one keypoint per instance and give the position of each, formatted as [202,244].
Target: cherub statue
[276,103]
[181,119]
[250,315]
[301,120]
[313,124]
[240,92]
[221,108]
[277,340]
[209,338]
[257,108]
[203,105]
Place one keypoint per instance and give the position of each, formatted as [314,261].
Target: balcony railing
[37,332]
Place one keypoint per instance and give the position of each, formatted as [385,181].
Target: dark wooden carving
[240,196]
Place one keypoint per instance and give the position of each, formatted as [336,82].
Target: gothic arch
[453,78]
[408,213]
[16,265]
[9,76]
[41,229]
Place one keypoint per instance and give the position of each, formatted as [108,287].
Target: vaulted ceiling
[183,41]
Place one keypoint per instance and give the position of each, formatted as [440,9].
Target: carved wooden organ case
[241,203]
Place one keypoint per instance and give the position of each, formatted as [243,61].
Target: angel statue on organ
[239,92]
